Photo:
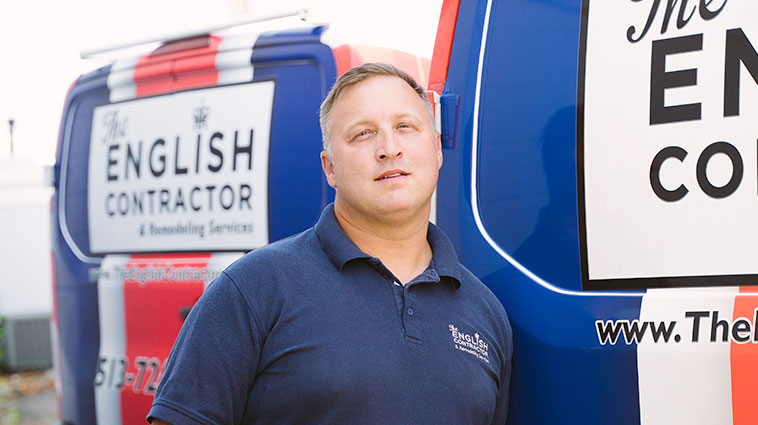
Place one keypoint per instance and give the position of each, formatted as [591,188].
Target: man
[366,318]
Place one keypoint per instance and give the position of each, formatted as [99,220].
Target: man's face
[385,153]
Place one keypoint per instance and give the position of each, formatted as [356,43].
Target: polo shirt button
[410,311]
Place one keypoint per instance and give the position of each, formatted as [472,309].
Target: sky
[41,41]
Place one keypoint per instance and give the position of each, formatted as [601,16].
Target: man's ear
[328,166]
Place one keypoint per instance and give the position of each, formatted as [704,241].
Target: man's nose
[389,147]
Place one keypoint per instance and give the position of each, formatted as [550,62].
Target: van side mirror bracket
[449,105]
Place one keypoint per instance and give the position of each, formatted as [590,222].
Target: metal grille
[27,342]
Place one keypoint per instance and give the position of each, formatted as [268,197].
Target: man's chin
[387,208]
[400,210]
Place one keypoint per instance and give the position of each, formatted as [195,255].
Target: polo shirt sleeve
[501,406]
[213,362]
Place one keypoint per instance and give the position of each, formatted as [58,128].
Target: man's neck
[401,244]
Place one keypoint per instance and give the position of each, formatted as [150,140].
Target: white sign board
[668,99]
[181,172]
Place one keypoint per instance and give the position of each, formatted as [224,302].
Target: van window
[526,176]
[73,189]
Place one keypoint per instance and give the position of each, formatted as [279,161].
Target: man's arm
[213,361]
[159,422]
[503,397]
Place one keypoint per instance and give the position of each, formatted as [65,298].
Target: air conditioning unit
[27,342]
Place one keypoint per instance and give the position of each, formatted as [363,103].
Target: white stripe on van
[121,80]
[685,382]
[110,305]
[233,59]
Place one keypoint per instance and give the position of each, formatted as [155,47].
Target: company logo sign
[667,143]
[185,171]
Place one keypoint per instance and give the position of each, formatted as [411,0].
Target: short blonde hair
[355,76]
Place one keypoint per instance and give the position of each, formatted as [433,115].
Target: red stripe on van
[443,45]
[181,65]
[744,362]
[152,310]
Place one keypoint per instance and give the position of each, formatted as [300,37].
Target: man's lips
[391,174]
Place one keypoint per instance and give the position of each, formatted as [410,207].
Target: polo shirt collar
[445,259]
[340,249]
[336,244]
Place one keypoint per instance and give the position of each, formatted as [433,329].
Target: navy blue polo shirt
[311,330]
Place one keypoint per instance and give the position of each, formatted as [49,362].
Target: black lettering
[696,316]
[633,332]
[108,206]
[226,189]
[737,170]
[177,168]
[651,16]
[150,194]
[243,150]
[245,193]
[123,203]
[132,159]
[197,155]
[179,200]
[158,172]
[715,324]
[680,20]
[111,162]
[137,198]
[194,206]
[663,329]
[608,331]
[738,50]
[655,174]
[741,330]
[210,188]
[660,80]
[164,198]
[706,13]
[216,152]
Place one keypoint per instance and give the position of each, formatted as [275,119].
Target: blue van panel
[290,36]
[76,296]
[85,97]
[526,197]
[297,187]
[528,109]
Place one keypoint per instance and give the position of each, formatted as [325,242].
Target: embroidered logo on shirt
[472,344]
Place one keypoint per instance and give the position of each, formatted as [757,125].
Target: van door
[171,166]
[599,182]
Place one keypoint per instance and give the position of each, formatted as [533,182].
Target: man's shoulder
[268,275]
[297,250]
[475,291]
[475,286]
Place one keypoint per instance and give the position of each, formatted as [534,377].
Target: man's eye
[361,134]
